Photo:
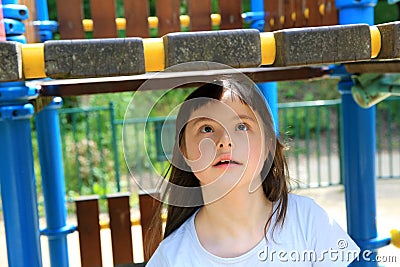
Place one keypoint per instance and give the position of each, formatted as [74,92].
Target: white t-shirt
[309,237]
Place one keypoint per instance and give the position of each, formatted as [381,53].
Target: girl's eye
[206,129]
[242,127]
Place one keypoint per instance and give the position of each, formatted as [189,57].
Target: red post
[2,30]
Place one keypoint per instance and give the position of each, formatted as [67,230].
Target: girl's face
[224,140]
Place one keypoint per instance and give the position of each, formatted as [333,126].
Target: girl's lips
[225,163]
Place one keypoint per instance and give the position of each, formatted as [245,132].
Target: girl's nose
[224,141]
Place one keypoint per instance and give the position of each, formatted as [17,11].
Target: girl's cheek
[201,155]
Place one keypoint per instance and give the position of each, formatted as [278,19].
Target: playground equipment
[288,51]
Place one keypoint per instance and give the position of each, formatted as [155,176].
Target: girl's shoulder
[184,231]
[301,202]
[305,209]
[177,245]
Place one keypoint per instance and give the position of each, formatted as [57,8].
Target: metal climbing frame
[17,178]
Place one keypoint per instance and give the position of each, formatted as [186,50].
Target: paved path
[330,198]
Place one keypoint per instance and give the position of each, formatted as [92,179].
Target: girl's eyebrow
[244,117]
[198,120]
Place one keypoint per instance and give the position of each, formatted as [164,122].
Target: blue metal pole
[13,16]
[46,27]
[359,147]
[17,179]
[270,92]
[52,169]
[51,163]
[270,89]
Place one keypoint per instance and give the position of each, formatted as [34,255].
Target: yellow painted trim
[376,42]
[293,16]
[104,224]
[87,25]
[215,19]
[185,20]
[395,238]
[154,54]
[153,22]
[268,48]
[272,22]
[121,23]
[321,9]
[282,20]
[307,13]
[33,61]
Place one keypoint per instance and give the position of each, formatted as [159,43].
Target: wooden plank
[391,66]
[289,9]
[280,14]
[331,13]
[319,45]
[231,14]
[301,20]
[148,207]
[315,18]
[136,14]
[10,61]
[390,40]
[31,33]
[94,57]
[2,30]
[103,16]
[200,15]
[70,15]
[120,226]
[168,12]
[235,48]
[87,212]
[271,15]
[167,80]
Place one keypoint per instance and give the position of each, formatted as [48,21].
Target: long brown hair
[275,175]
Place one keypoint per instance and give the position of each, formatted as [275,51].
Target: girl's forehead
[229,106]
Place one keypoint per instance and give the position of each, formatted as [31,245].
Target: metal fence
[311,131]
[388,139]
[94,157]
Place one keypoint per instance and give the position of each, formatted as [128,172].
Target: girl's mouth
[226,163]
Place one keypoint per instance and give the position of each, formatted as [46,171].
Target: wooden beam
[70,87]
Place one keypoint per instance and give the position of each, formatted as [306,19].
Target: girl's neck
[236,211]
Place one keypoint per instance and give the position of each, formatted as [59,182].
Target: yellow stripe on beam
[33,54]
[376,41]
[268,48]
[33,61]
[154,57]
[153,22]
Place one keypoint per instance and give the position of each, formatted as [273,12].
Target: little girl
[239,211]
